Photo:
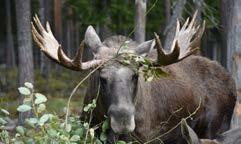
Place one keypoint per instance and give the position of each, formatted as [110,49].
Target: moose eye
[135,76]
[103,80]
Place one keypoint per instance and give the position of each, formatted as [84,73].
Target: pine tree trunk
[10,53]
[233,34]
[199,7]
[58,26]
[167,11]
[105,32]
[44,62]
[140,20]
[25,56]
[170,29]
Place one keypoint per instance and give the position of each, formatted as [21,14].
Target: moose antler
[51,48]
[186,42]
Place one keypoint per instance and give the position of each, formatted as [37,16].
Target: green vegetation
[47,127]
[57,88]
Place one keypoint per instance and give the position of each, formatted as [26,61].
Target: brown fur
[189,81]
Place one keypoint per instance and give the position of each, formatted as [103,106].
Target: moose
[232,136]
[143,110]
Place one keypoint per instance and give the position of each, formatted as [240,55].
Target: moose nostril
[122,126]
[121,111]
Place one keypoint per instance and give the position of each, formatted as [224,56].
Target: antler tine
[196,41]
[183,44]
[39,25]
[78,56]
[193,21]
[185,24]
[52,49]
[162,57]
[160,52]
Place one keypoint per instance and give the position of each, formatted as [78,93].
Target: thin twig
[133,30]
[91,112]
[188,117]
[74,90]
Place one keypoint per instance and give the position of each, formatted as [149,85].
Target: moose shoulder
[146,110]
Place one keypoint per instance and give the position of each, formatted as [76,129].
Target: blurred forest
[21,60]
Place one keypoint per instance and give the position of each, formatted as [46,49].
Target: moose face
[118,82]
[118,85]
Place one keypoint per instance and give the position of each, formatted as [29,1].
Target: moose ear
[188,133]
[92,39]
[145,47]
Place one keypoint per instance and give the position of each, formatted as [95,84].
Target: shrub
[49,128]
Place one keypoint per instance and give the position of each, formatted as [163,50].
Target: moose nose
[122,119]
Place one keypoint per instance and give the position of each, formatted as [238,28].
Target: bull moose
[147,110]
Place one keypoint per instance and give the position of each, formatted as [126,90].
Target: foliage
[147,69]
[46,127]
[56,87]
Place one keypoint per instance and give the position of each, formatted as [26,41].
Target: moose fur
[191,81]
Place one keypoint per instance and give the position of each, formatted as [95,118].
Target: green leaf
[150,78]
[43,119]
[75,138]
[41,108]
[79,131]
[24,91]
[28,85]
[120,142]
[92,133]
[2,121]
[159,72]
[5,111]
[52,132]
[31,121]
[97,141]
[24,108]
[30,141]
[103,137]
[68,127]
[40,98]
[127,62]
[86,125]
[20,130]
[18,142]
[105,125]
[86,108]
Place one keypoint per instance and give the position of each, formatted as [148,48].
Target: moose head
[119,82]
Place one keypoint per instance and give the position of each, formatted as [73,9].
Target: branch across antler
[51,48]
[186,42]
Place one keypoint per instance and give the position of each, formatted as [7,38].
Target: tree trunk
[58,26]
[199,6]
[44,62]
[105,32]
[226,8]
[58,20]
[25,56]
[10,54]
[167,11]
[170,29]
[232,10]
[140,20]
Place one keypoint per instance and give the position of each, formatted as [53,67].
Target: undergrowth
[49,128]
